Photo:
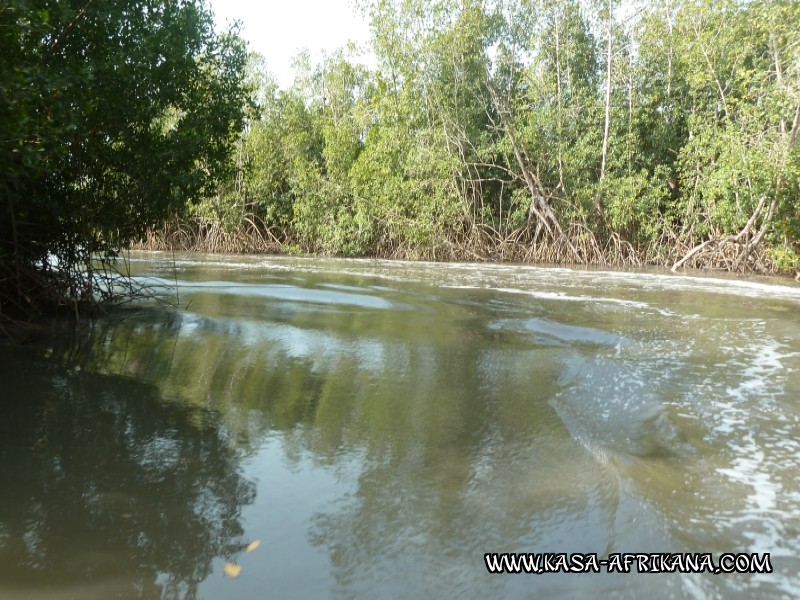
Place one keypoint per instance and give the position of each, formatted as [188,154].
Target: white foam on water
[545,283]
[745,480]
[762,457]
[545,295]
[746,470]
[566,277]
[743,287]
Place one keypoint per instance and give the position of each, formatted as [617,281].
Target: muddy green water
[379,427]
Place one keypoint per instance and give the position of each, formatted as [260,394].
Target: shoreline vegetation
[540,131]
[113,115]
[480,245]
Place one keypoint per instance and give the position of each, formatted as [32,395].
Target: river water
[378,427]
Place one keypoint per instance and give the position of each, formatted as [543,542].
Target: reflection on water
[107,490]
[381,426]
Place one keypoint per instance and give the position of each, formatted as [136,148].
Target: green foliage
[663,128]
[631,205]
[787,258]
[113,115]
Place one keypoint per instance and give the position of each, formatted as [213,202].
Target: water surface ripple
[379,426]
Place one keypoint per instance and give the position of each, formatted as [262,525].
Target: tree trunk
[538,208]
[607,124]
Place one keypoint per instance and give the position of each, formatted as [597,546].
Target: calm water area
[380,426]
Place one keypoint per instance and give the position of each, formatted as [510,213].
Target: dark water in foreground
[378,427]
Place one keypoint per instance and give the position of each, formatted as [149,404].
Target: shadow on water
[107,490]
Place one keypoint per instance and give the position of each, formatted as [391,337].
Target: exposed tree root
[736,253]
[85,286]
[199,235]
[473,242]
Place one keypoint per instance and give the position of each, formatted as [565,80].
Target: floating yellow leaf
[232,569]
[253,545]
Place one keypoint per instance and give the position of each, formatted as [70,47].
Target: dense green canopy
[550,130]
[113,115]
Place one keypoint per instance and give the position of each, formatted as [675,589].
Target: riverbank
[577,247]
